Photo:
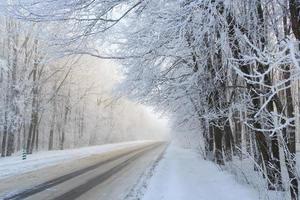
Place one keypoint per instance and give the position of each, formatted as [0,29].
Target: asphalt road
[109,176]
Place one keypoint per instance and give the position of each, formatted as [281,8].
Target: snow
[183,174]
[14,165]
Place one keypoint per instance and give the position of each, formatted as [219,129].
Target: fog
[107,116]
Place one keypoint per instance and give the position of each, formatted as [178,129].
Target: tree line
[228,70]
[52,102]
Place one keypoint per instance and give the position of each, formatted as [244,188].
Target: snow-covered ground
[183,175]
[14,165]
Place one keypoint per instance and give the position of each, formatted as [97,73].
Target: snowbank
[14,165]
[183,175]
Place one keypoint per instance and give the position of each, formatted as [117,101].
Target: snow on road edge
[140,188]
[183,174]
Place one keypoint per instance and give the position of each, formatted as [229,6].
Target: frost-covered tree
[53,101]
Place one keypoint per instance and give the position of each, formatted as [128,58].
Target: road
[106,176]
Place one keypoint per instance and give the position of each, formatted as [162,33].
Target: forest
[50,102]
[226,72]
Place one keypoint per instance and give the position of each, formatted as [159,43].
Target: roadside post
[24,155]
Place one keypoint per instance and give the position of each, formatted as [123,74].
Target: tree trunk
[290,140]
[289,133]
[35,108]
[10,142]
[37,139]
[276,163]
[276,180]
[4,138]
[210,142]
[50,145]
[238,135]
[218,134]
[256,154]
[53,119]
[33,125]
[19,139]
[228,141]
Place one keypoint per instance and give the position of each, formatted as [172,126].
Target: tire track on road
[51,183]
